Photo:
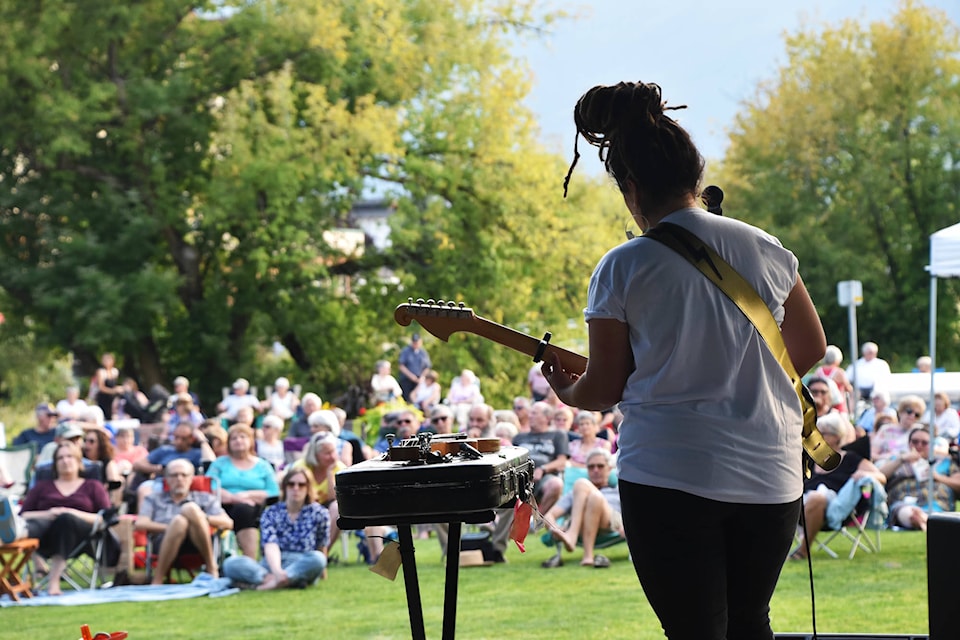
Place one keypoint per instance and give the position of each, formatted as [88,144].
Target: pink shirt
[131,456]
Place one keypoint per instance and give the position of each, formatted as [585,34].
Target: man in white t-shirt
[869,372]
[72,406]
[237,400]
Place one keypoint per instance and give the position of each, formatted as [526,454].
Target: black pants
[62,535]
[244,516]
[707,568]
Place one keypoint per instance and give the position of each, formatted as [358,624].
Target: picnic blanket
[203,585]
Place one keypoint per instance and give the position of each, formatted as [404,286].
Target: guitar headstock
[438,317]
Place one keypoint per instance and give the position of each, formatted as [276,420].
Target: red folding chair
[145,558]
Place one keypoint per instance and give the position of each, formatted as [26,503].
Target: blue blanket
[203,585]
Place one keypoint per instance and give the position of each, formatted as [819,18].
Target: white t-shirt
[67,409]
[870,374]
[947,423]
[708,409]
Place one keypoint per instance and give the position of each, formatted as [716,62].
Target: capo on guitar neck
[544,341]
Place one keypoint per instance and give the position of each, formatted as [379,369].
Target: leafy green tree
[849,155]
[170,172]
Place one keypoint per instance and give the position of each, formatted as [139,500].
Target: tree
[850,156]
[169,170]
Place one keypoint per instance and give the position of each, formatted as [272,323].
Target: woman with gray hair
[326,421]
[821,488]
[384,386]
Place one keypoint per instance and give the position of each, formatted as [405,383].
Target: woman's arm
[608,367]
[271,553]
[868,469]
[331,485]
[952,481]
[346,454]
[801,329]
[889,466]
[38,515]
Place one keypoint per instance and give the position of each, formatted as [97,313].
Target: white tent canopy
[945,253]
[944,263]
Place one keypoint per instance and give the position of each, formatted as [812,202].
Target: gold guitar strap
[749,302]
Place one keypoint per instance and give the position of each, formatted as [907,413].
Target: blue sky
[707,55]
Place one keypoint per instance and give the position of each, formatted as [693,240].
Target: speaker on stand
[943,567]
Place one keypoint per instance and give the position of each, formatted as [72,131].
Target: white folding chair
[17,464]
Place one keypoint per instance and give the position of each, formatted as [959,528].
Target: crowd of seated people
[263,451]
[897,447]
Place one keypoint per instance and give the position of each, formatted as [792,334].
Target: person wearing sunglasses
[822,392]
[441,419]
[908,487]
[592,508]
[890,440]
[294,534]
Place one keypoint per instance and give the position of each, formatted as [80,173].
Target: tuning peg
[409,300]
[430,301]
[440,303]
[420,300]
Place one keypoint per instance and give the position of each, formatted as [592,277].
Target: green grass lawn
[885,593]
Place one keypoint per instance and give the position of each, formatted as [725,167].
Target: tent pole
[933,368]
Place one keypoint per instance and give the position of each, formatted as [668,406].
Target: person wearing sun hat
[65,431]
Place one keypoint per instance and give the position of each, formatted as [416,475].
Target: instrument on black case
[410,483]
[433,478]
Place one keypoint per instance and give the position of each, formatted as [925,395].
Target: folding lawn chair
[85,564]
[145,556]
[17,464]
[860,524]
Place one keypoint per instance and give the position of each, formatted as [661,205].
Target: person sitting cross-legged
[179,520]
[294,533]
[592,508]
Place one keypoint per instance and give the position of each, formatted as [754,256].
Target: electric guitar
[442,319]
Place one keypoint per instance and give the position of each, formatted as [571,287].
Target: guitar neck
[442,320]
[527,344]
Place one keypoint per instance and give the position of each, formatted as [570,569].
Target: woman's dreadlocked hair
[712,196]
[637,141]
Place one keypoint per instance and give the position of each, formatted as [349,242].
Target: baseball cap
[415,337]
[241,383]
[45,407]
[67,430]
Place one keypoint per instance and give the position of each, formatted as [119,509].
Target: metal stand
[410,579]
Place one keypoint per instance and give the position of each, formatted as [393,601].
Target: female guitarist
[710,440]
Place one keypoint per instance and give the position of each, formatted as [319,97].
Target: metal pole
[933,368]
[854,352]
